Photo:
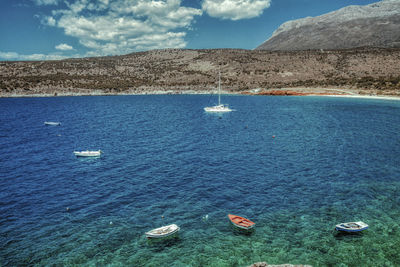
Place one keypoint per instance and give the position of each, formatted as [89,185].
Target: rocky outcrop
[264,264]
[374,25]
[299,92]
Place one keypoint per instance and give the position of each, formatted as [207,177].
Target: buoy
[67,209]
[273,136]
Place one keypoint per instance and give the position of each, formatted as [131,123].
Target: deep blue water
[294,165]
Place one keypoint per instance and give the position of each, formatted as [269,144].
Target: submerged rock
[264,264]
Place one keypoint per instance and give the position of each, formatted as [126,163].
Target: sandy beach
[328,92]
[368,96]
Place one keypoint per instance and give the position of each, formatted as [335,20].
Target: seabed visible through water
[296,166]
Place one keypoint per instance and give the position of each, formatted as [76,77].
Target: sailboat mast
[219,89]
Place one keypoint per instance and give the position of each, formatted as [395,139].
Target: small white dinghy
[163,231]
[351,227]
[54,123]
[88,153]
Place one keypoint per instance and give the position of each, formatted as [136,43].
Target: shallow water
[294,165]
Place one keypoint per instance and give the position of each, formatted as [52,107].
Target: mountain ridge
[374,25]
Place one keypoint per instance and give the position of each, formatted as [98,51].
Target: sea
[294,165]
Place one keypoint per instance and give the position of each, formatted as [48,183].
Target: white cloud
[143,42]
[46,2]
[64,47]
[16,56]
[110,27]
[49,21]
[235,9]
[8,55]
[78,6]
[41,57]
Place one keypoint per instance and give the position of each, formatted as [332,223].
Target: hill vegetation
[364,70]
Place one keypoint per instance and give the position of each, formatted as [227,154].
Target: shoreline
[368,97]
[328,92]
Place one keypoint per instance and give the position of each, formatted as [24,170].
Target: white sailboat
[220,107]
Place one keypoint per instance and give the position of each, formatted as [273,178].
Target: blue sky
[56,29]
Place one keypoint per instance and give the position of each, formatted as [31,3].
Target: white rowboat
[52,123]
[163,231]
[351,227]
[87,153]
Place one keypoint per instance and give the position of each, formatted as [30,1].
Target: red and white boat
[241,222]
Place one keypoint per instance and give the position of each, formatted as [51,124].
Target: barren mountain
[369,70]
[374,25]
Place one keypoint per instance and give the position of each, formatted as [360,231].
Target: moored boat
[351,227]
[220,107]
[54,123]
[241,222]
[88,153]
[163,231]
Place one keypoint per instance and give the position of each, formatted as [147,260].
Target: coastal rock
[300,92]
[374,25]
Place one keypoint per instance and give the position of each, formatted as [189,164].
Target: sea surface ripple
[296,166]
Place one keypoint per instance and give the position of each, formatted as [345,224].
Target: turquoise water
[296,166]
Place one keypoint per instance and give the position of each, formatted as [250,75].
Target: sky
[57,29]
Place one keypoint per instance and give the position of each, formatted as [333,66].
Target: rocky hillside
[374,25]
[374,71]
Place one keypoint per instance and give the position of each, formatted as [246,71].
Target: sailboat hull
[219,108]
